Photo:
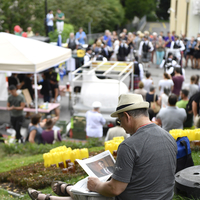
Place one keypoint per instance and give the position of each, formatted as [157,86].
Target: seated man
[171,117]
[116,131]
[146,161]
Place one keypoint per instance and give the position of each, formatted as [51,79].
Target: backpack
[145,47]
[184,158]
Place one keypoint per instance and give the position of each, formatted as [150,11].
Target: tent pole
[36,93]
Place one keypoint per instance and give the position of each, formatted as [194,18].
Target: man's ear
[127,116]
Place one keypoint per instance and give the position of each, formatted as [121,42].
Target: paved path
[157,27]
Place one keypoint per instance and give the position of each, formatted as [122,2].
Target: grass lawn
[16,161]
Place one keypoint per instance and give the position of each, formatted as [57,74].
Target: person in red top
[178,81]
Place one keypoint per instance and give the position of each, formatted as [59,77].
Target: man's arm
[109,189]
[194,108]
[21,107]
[9,107]
[56,94]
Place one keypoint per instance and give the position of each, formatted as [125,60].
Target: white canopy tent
[26,55]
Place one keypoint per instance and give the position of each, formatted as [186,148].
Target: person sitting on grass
[35,130]
[49,135]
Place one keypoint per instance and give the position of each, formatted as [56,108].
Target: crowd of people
[16,103]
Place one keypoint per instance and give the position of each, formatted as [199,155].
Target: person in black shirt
[55,93]
[46,88]
[13,80]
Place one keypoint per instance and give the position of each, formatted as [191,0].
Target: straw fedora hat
[129,102]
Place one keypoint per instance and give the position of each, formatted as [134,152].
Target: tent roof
[26,55]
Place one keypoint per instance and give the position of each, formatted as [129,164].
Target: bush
[151,17]
[68,28]
[33,149]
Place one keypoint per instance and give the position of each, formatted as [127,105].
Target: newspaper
[100,166]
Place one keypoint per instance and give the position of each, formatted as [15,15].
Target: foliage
[24,13]
[68,28]
[37,176]
[162,9]
[138,8]
[33,149]
[151,17]
[106,14]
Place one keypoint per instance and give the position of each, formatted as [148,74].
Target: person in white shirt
[87,56]
[49,21]
[148,82]
[145,50]
[179,46]
[165,82]
[95,121]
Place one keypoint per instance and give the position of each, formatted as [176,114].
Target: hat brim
[131,107]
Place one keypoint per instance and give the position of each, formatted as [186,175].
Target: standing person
[95,121]
[122,51]
[163,99]
[15,105]
[168,40]
[87,56]
[178,81]
[145,50]
[148,82]
[165,82]
[171,117]
[55,96]
[141,90]
[193,88]
[72,42]
[160,50]
[81,36]
[107,38]
[188,123]
[138,73]
[30,32]
[190,52]
[13,80]
[154,42]
[144,160]
[116,131]
[197,54]
[46,88]
[179,46]
[60,21]
[49,21]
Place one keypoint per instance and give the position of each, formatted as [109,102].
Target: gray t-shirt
[193,89]
[147,162]
[16,101]
[172,117]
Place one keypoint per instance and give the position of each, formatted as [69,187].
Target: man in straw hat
[146,161]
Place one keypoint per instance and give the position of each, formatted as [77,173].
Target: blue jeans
[159,57]
[50,28]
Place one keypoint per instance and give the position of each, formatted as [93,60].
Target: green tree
[103,14]
[24,13]
[162,9]
[138,8]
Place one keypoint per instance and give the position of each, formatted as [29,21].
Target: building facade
[185,17]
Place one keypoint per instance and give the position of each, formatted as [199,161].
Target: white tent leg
[36,93]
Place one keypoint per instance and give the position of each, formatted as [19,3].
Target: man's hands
[11,108]
[92,183]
